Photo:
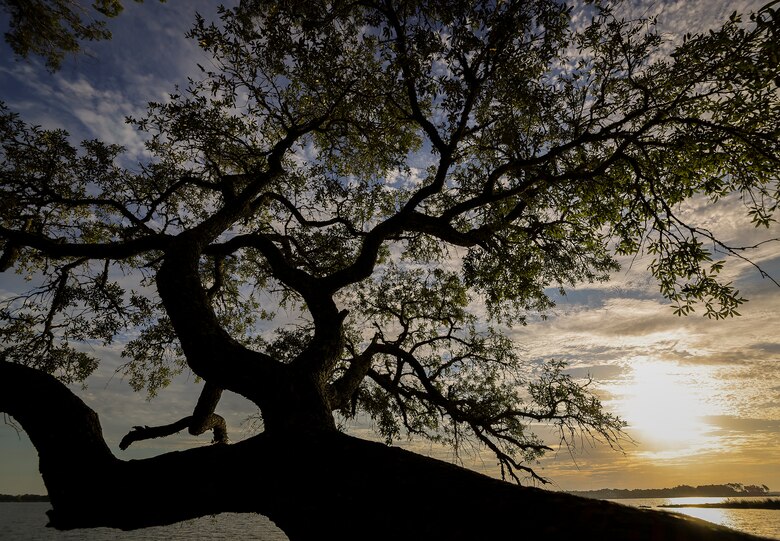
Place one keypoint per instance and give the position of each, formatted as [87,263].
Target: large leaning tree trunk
[315,485]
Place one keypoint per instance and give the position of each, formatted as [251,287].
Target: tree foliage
[51,29]
[410,178]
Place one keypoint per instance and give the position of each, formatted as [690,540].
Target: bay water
[762,522]
[23,521]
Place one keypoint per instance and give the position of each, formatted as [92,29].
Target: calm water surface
[27,522]
[763,522]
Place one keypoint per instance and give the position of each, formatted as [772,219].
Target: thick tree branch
[202,419]
[200,333]
[322,353]
[140,433]
[290,396]
[54,248]
[65,432]
[342,390]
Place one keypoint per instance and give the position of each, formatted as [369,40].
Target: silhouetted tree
[411,178]
[53,28]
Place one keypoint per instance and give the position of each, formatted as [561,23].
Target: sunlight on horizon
[665,408]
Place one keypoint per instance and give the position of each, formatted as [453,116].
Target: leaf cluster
[52,29]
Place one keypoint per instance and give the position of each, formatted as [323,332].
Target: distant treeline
[682,491]
[767,503]
[23,498]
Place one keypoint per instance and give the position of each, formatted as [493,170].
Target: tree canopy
[409,177]
[51,29]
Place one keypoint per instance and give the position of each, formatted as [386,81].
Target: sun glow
[664,406]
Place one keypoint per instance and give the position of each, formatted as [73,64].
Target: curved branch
[211,422]
[201,420]
[326,345]
[52,415]
[65,431]
[202,337]
[312,223]
[204,418]
[140,433]
[293,277]
[289,395]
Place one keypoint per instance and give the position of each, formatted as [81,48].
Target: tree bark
[315,485]
[291,397]
[201,420]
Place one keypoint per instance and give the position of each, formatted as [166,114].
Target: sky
[701,398]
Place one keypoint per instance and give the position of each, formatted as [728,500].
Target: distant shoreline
[768,503]
[731,490]
[4,498]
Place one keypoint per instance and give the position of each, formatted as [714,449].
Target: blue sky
[702,398]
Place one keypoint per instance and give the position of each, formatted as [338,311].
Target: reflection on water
[762,522]
[717,516]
